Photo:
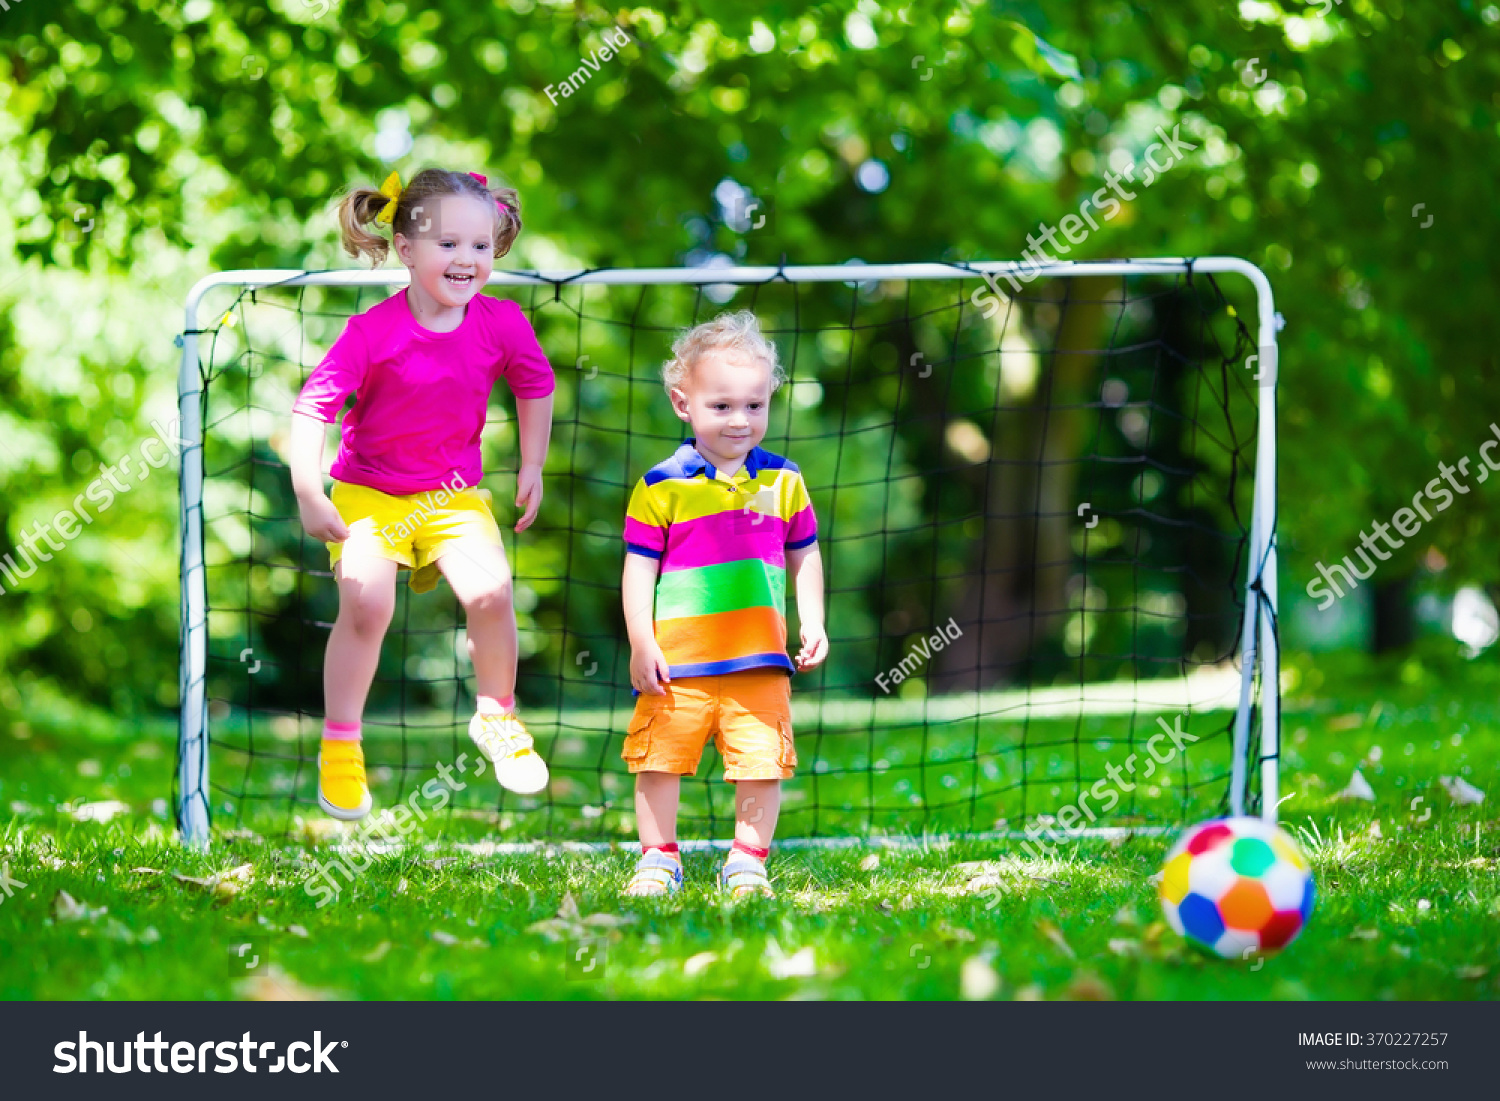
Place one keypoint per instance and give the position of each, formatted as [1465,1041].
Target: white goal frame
[1259,647]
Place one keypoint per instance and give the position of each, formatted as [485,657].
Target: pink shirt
[422,395]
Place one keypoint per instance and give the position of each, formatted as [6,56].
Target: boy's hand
[320,519]
[528,494]
[648,670]
[814,647]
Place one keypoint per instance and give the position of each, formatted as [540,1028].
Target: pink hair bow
[484,182]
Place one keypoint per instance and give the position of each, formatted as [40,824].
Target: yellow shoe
[342,790]
[504,740]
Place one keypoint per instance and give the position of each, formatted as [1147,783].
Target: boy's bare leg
[656,798]
[757,803]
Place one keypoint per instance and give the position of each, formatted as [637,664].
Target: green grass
[1411,913]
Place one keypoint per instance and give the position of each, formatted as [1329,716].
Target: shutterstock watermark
[920,653]
[1076,227]
[1405,521]
[615,39]
[101,492]
[9,886]
[401,819]
[1162,749]
[186,1057]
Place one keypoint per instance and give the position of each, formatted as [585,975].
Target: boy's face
[726,397]
[449,247]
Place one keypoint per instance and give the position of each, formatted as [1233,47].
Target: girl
[421,364]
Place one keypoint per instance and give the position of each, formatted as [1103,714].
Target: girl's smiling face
[449,249]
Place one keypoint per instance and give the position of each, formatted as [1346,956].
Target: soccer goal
[1047,509]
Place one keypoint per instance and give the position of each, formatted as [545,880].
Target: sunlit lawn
[1408,905]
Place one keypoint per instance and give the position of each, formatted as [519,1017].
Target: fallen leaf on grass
[802,964]
[297,930]
[1124,946]
[1088,987]
[695,965]
[952,935]
[376,954]
[1030,993]
[978,981]
[971,868]
[275,985]
[1463,793]
[1049,879]
[1364,934]
[571,924]
[1474,971]
[870,863]
[101,811]
[1156,932]
[316,829]
[225,884]
[67,908]
[608,921]
[1358,788]
[1054,934]
[118,930]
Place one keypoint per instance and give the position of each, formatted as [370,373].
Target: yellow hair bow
[391,189]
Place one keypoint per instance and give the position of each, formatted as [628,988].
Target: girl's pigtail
[508,200]
[356,210]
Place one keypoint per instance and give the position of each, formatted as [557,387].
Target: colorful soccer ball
[1237,887]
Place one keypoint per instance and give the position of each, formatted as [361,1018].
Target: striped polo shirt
[721,541]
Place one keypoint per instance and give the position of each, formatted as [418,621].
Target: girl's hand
[648,669]
[814,647]
[321,519]
[528,494]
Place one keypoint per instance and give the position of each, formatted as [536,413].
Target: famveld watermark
[1079,814]
[401,819]
[1076,227]
[1405,521]
[156,451]
[427,504]
[922,651]
[614,39]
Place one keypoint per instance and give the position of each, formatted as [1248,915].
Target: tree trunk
[1014,596]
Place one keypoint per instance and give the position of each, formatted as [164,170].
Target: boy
[711,534]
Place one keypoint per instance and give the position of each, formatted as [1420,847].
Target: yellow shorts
[413,530]
[747,714]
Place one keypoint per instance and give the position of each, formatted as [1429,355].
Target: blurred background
[1350,152]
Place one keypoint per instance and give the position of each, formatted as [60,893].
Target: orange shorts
[747,714]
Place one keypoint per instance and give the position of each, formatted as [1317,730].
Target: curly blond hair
[357,209]
[737,331]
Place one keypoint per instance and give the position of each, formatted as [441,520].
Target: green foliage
[144,145]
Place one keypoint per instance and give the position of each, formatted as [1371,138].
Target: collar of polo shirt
[694,463]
